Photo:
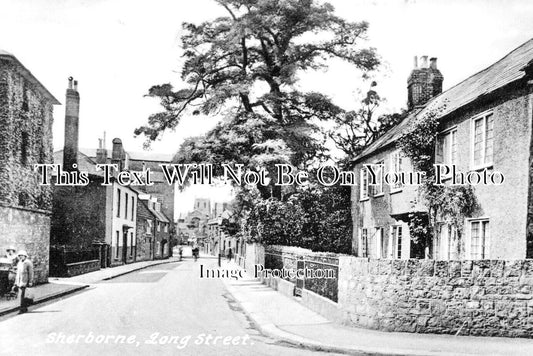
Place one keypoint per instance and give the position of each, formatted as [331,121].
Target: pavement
[60,287]
[160,310]
[286,319]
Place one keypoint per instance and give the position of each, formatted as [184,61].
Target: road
[163,310]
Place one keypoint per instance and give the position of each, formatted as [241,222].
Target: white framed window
[166,227]
[380,243]
[479,239]
[377,189]
[158,226]
[363,242]
[396,167]
[446,147]
[395,246]
[482,140]
[149,227]
[364,184]
[126,206]
[118,203]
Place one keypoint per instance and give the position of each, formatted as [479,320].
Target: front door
[124,245]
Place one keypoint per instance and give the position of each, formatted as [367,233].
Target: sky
[118,49]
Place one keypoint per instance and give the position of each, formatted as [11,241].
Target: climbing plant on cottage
[444,203]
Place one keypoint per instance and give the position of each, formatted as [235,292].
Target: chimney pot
[76,85]
[117,155]
[72,112]
[424,82]
[415,63]
[424,60]
[433,63]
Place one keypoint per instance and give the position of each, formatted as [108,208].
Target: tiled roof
[505,71]
[159,215]
[29,76]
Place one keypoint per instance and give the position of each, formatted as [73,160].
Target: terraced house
[485,123]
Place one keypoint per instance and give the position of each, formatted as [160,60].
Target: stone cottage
[153,229]
[485,127]
[26,116]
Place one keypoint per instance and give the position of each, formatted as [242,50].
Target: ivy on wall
[451,204]
[25,140]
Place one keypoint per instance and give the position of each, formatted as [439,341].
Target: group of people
[20,275]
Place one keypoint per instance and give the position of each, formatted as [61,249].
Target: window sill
[395,191]
[363,199]
[480,168]
[379,195]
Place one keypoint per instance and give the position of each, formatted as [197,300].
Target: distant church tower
[203,205]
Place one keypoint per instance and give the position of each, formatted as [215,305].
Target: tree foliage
[243,67]
[317,218]
[355,130]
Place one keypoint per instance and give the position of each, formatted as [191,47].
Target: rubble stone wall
[485,297]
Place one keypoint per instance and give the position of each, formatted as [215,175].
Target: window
[126,206]
[482,141]
[377,189]
[479,239]
[364,184]
[396,242]
[363,243]
[118,239]
[166,227]
[149,227]
[132,208]
[396,164]
[446,148]
[118,203]
[158,226]
[380,243]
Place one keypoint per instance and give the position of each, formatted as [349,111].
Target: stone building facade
[94,215]
[26,109]
[485,124]
[153,230]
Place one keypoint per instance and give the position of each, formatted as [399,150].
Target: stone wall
[486,297]
[30,230]
[482,298]
[75,269]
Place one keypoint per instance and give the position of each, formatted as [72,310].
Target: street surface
[164,310]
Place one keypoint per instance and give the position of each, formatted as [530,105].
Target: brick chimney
[72,118]
[101,151]
[118,155]
[424,82]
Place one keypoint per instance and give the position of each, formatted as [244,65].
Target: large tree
[355,130]
[243,67]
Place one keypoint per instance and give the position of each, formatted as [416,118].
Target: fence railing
[317,273]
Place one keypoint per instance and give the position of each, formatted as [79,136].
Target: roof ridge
[479,72]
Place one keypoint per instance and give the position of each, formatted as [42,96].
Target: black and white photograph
[266,177]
